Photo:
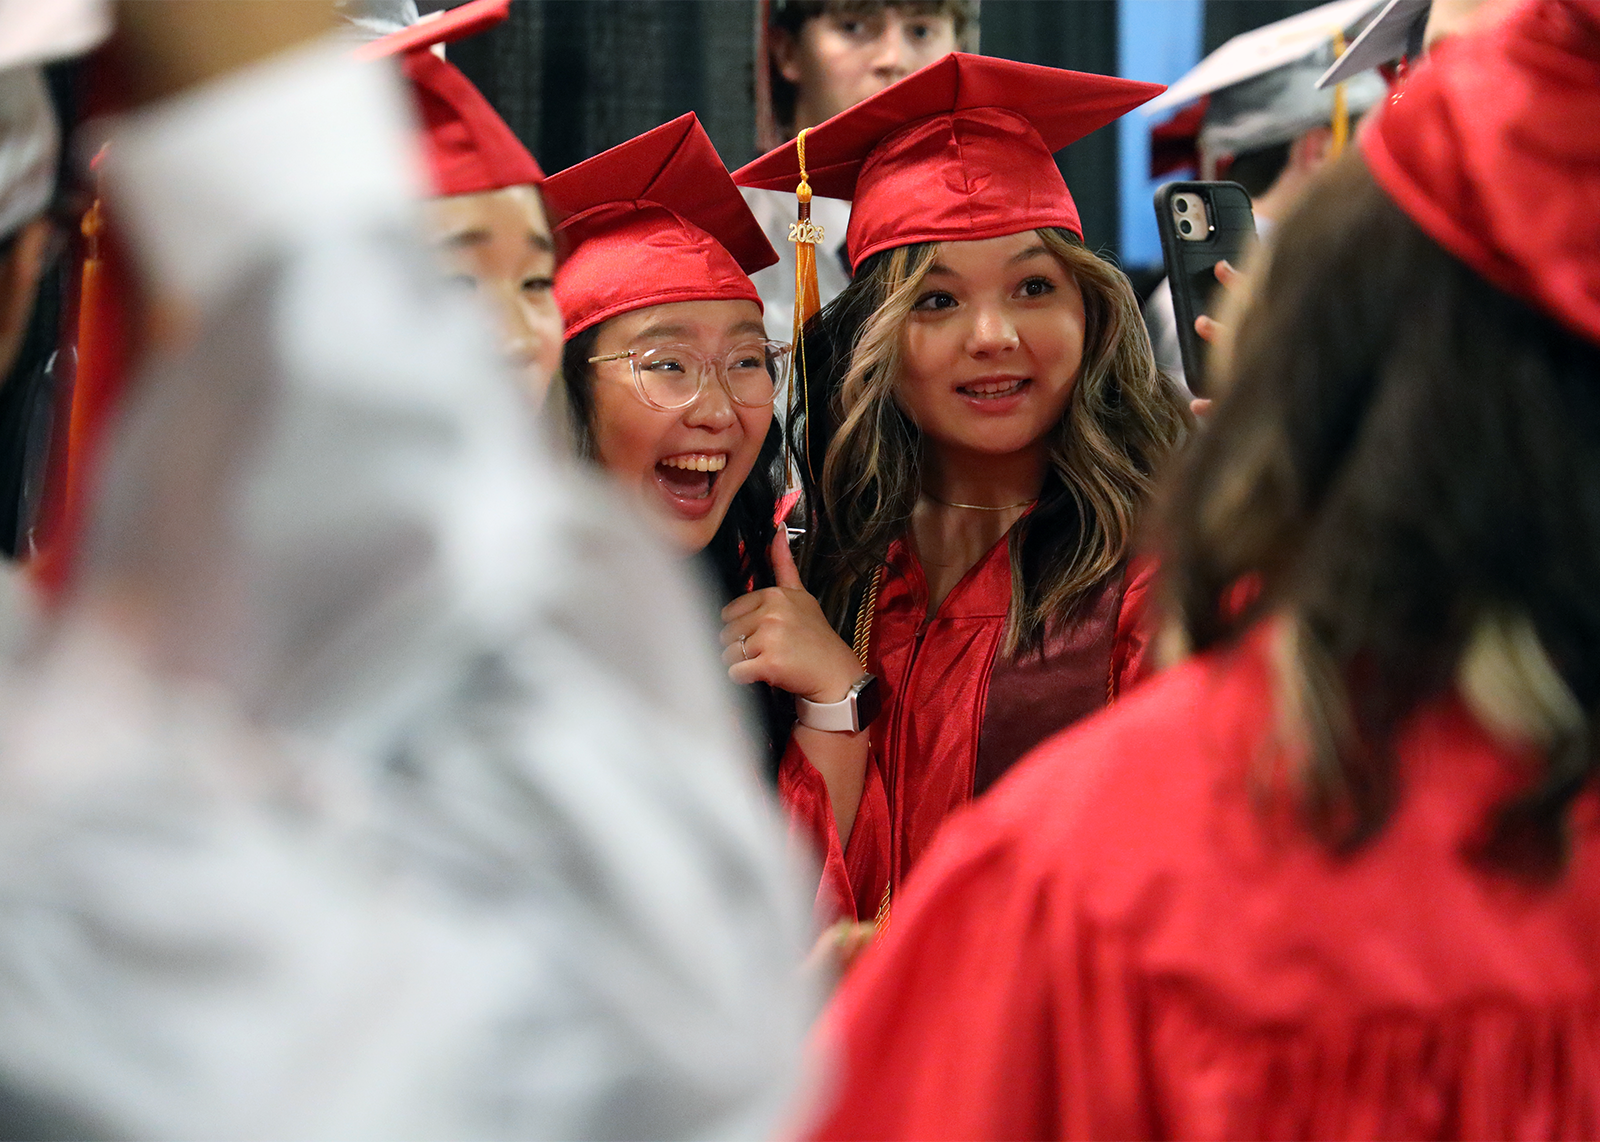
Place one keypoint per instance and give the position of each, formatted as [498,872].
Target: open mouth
[691,476]
[993,390]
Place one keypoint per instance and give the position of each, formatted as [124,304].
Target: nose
[993,331]
[712,408]
[890,56]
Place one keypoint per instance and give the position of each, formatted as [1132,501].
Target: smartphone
[1201,224]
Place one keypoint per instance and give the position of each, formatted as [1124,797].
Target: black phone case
[1190,272]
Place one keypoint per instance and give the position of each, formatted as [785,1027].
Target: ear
[783,46]
[1310,150]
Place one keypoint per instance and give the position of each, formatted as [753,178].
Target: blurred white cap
[1263,83]
[38,31]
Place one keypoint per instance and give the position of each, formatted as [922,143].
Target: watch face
[869,702]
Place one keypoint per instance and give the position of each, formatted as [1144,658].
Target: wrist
[850,714]
[837,687]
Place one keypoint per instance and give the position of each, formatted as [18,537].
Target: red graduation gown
[957,713]
[1121,942]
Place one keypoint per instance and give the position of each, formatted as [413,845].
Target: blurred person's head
[29,143]
[667,374]
[827,55]
[1266,124]
[488,218]
[1405,471]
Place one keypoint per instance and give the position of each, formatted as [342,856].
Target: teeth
[697,462]
[992,388]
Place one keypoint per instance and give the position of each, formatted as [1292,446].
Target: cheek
[755,422]
[927,362]
[544,320]
[627,434]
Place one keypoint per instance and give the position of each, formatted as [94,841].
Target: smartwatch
[850,714]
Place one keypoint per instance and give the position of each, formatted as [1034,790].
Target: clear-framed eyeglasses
[670,377]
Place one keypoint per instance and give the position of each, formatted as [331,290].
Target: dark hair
[791,15]
[862,454]
[1407,460]
[1257,170]
[738,557]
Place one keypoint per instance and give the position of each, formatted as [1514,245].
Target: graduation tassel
[1341,108]
[805,234]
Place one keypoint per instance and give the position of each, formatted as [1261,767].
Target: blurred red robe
[957,713]
[1124,941]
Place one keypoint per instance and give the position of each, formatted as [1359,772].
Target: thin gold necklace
[980,507]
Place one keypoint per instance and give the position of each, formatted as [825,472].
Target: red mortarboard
[1492,149]
[469,147]
[653,220]
[962,149]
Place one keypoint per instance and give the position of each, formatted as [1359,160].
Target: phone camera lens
[1186,227]
[1182,204]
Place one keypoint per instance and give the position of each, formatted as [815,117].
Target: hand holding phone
[1201,224]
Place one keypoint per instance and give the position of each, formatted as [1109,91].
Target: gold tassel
[805,234]
[1341,108]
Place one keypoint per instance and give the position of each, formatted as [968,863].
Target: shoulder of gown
[1120,940]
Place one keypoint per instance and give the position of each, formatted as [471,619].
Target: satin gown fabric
[957,713]
[1122,940]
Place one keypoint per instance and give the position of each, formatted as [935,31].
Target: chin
[689,536]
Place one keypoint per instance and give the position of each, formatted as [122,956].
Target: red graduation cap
[962,149]
[1492,149]
[469,146]
[653,220]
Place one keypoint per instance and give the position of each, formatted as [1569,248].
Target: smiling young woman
[667,376]
[980,431]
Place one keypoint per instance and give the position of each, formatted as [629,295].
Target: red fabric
[469,147]
[960,150]
[1122,941]
[925,744]
[1493,148]
[651,221]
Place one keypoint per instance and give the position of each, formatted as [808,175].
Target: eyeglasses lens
[671,376]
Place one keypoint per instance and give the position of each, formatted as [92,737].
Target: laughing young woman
[981,422]
[667,374]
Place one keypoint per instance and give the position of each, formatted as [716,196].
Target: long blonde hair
[1121,421]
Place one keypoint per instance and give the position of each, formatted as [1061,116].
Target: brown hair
[1407,472]
[1121,421]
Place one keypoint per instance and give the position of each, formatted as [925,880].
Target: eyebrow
[478,236]
[661,332]
[655,332]
[475,236]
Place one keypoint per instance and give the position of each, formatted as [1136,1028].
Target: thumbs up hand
[779,636]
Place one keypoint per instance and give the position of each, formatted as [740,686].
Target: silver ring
[742,651]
